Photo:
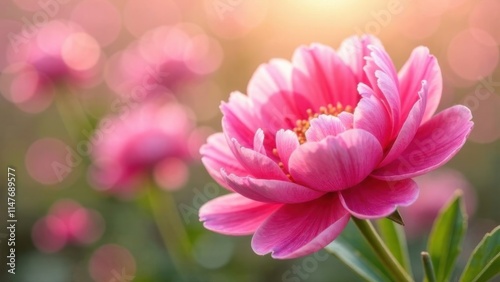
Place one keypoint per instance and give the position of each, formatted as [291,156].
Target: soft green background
[285,25]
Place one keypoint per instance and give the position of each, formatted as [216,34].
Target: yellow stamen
[301,126]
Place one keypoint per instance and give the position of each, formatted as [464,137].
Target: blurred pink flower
[436,189]
[326,136]
[54,54]
[67,223]
[152,140]
[162,60]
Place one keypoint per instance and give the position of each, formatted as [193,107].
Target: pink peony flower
[57,53]
[163,60]
[328,135]
[67,223]
[436,189]
[149,141]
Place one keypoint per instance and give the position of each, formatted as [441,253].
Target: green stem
[393,235]
[72,113]
[428,267]
[171,229]
[368,231]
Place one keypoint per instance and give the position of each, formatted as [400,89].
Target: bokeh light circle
[10,31]
[46,161]
[80,51]
[203,48]
[433,8]
[213,251]
[485,16]
[484,105]
[234,19]
[44,237]
[139,17]
[171,174]
[81,225]
[473,54]
[105,22]
[415,25]
[22,85]
[111,261]
[31,6]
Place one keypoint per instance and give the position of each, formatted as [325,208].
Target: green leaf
[484,262]
[394,237]
[351,248]
[446,237]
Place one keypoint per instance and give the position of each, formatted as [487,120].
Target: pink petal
[239,120]
[286,143]
[435,143]
[382,61]
[384,81]
[235,215]
[420,66]
[324,126]
[347,119]
[258,142]
[324,76]
[274,191]
[371,115]
[257,164]
[300,229]
[216,155]
[390,91]
[270,79]
[353,51]
[374,198]
[275,100]
[365,90]
[337,162]
[409,128]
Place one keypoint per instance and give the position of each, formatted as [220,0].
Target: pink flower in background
[163,60]
[57,53]
[153,140]
[328,135]
[67,223]
[436,189]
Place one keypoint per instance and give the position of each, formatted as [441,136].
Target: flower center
[302,125]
